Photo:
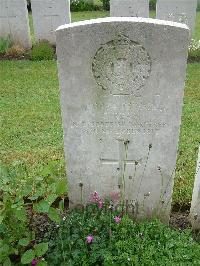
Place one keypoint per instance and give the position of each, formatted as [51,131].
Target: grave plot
[121,98]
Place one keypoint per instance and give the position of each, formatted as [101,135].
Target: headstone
[183,11]
[14,22]
[129,8]
[47,16]
[122,82]
[195,205]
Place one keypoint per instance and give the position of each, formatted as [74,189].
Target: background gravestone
[195,205]
[183,11]
[129,8]
[14,22]
[122,83]
[47,16]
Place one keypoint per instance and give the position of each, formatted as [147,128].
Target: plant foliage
[194,50]
[94,237]
[82,5]
[106,4]
[5,44]
[42,51]
[21,198]
[152,4]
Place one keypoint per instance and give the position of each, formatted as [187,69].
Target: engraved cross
[122,161]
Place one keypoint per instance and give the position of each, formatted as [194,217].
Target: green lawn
[190,136]
[30,112]
[196,34]
[31,124]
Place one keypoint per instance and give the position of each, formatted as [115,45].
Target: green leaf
[42,263]
[40,193]
[24,242]
[61,187]
[62,205]
[7,262]
[1,218]
[32,235]
[51,198]
[54,215]
[41,249]
[34,197]
[27,190]
[28,256]
[21,214]
[41,206]
[52,188]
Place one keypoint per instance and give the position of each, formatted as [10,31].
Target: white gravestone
[47,16]
[14,22]
[122,83]
[129,8]
[183,11]
[195,205]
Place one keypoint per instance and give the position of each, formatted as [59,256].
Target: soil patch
[179,220]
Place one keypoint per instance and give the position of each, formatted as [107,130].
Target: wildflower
[117,219]
[100,204]
[89,239]
[94,197]
[34,262]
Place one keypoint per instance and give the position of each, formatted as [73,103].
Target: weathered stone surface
[122,82]
[47,16]
[14,22]
[129,8]
[195,205]
[183,11]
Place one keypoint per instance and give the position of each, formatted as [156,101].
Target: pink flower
[94,197]
[115,196]
[100,204]
[89,239]
[117,219]
[34,262]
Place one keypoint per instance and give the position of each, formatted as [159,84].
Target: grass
[189,138]
[77,16]
[30,113]
[31,124]
[196,34]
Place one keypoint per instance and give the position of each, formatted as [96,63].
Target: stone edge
[122,19]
